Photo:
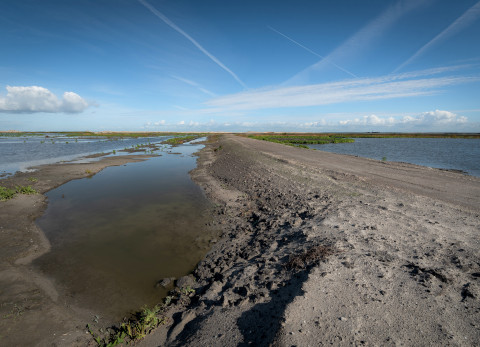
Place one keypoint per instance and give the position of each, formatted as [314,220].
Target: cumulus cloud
[369,120]
[435,118]
[34,99]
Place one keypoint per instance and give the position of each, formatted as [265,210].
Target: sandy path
[442,185]
[405,267]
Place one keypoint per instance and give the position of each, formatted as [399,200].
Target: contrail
[461,22]
[314,53]
[361,41]
[195,84]
[191,39]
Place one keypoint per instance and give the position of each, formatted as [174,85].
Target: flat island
[316,248]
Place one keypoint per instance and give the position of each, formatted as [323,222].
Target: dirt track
[405,266]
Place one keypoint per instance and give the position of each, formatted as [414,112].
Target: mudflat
[326,249]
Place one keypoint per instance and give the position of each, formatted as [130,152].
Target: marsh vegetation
[301,140]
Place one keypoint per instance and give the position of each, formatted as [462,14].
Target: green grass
[8,193]
[174,141]
[135,329]
[301,141]
[114,135]
[141,323]
[19,134]
[28,190]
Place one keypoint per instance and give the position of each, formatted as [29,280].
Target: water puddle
[116,234]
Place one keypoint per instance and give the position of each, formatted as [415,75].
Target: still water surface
[117,233]
[442,153]
[20,153]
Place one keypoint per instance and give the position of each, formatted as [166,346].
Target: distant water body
[20,153]
[441,153]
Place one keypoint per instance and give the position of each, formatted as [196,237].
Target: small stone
[165,282]
[343,319]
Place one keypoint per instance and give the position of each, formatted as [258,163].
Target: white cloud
[33,99]
[162,122]
[319,123]
[431,119]
[369,120]
[436,117]
[182,122]
[384,87]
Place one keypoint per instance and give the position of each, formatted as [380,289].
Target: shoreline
[319,248]
[31,307]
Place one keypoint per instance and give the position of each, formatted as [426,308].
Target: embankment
[320,249]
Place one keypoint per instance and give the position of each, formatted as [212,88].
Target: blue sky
[189,65]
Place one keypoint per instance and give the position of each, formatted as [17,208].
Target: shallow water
[116,234]
[20,153]
[441,153]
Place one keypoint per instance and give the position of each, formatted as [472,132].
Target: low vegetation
[114,134]
[18,134]
[141,323]
[298,140]
[8,193]
[174,141]
[135,329]
[28,190]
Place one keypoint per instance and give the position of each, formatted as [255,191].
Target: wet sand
[326,249]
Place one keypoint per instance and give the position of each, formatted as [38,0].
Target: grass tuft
[135,329]
[6,193]
[28,190]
